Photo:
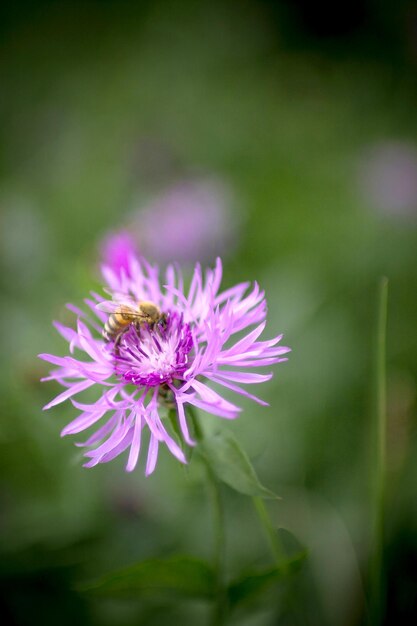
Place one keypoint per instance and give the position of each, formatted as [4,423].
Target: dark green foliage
[177,575]
[252,583]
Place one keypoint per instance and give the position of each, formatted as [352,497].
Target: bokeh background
[289,129]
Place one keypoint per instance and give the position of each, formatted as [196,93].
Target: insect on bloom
[153,347]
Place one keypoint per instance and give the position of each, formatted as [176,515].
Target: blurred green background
[308,116]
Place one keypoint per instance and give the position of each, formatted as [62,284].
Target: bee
[122,316]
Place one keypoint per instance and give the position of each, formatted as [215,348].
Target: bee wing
[111,306]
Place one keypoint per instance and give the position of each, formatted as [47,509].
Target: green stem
[269,530]
[219,614]
[278,553]
[198,431]
[376,569]
[219,551]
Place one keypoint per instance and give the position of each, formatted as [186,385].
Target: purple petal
[135,445]
[83,421]
[99,434]
[183,424]
[215,409]
[109,456]
[239,390]
[55,360]
[115,438]
[77,388]
[244,343]
[243,377]
[152,455]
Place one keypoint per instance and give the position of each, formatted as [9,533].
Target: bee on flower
[154,345]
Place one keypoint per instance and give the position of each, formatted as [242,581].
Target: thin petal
[152,455]
[77,388]
[239,390]
[135,445]
[99,434]
[243,377]
[115,438]
[82,422]
[183,424]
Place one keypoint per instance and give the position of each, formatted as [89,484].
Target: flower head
[388,178]
[154,356]
[147,365]
[199,222]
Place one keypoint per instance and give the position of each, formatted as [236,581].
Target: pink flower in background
[116,250]
[198,223]
[171,363]
[388,178]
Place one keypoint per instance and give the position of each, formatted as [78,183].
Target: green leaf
[232,466]
[178,575]
[290,545]
[254,582]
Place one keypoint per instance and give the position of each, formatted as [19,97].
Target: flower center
[152,355]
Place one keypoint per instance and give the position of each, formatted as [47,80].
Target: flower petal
[152,455]
[183,423]
[77,388]
[135,445]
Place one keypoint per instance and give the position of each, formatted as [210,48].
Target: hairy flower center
[150,356]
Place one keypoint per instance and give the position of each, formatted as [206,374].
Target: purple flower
[199,222]
[152,367]
[388,178]
[116,250]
